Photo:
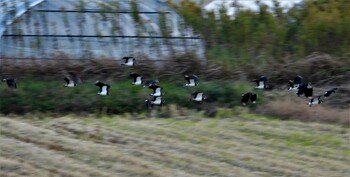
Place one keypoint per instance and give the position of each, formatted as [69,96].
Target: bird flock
[302,88]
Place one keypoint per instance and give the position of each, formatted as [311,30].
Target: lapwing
[309,90]
[138,80]
[11,82]
[305,89]
[157,90]
[129,61]
[330,92]
[198,96]
[69,82]
[104,88]
[316,100]
[261,82]
[72,80]
[253,98]
[293,85]
[249,96]
[157,100]
[192,80]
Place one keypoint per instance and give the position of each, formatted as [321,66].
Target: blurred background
[226,43]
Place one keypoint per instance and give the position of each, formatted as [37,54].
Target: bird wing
[187,79]
[256,81]
[67,80]
[76,80]
[308,92]
[104,88]
[71,82]
[192,81]
[261,83]
[298,80]
[263,78]
[158,90]
[158,99]
[194,94]
[138,79]
[245,97]
[328,93]
[253,97]
[195,78]
[291,83]
[200,95]
[134,75]
[74,77]
[130,61]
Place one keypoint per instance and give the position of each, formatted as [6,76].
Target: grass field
[243,145]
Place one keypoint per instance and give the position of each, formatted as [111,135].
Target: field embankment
[243,145]
[40,86]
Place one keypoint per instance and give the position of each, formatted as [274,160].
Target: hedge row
[34,95]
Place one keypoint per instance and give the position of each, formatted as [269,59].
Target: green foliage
[270,33]
[52,96]
[163,25]
[135,11]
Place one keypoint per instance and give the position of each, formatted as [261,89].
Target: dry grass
[175,67]
[243,145]
[317,68]
[299,110]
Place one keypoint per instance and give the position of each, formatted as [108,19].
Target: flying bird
[104,88]
[192,80]
[316,100]
[261,82]
[72,80]
[69,82]
[249,96]
[138,80]
[157,90]
[11,82]
[198,96]
[129,61]
[330,92]
[157,100]
[305,89]
[293,85]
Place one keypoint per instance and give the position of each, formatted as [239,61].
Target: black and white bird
[72,80]
[249,96]
[129,61]
[151,83]
[157,90]
[305,89]
[192,80]
[316,100]
[293,85]
[11,82]
[69,82]
[261,82]
[198,96]
[330,92]
[157,100]
[104,88]
[138,80]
